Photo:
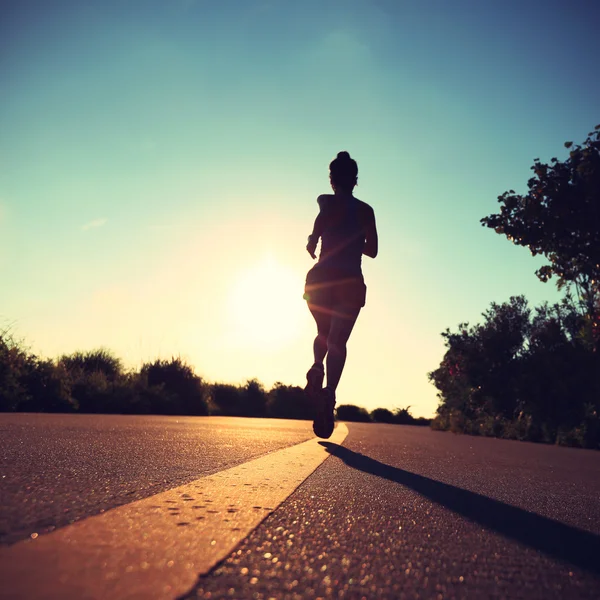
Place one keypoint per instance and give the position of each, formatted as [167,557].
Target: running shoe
[314,381]
[324,422]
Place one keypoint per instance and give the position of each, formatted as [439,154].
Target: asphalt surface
[56,469]
[395,512]
[405,512]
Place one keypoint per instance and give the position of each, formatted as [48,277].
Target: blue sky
[160,161]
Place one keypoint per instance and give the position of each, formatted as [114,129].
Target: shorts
[327,289]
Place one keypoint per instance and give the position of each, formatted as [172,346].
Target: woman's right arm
[318,227]
[313,238]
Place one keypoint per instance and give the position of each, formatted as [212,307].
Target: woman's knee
[321,338]
[336,346]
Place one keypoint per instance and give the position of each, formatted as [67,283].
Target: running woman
[335,289]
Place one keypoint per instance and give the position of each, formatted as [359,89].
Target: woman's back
[345,221]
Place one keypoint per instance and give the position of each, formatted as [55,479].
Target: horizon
[160,166]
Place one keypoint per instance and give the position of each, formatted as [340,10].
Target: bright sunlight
[266,306]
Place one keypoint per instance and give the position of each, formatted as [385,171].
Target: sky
[160,164]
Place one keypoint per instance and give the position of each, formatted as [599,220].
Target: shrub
[93,361]
[13,360]
[48,388]
[225,399]
[91,391]
[289,402]
[182,392]
[253,400]
[382,415]
[402,416]
[350,412]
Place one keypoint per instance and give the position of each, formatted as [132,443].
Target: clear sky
[160,164]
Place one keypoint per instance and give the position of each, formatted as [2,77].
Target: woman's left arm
[313,238]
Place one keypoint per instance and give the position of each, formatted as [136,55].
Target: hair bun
[343,155]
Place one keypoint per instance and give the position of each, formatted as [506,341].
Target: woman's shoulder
[324,199]
[365,208]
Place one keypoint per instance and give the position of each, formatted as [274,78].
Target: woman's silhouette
[335,289]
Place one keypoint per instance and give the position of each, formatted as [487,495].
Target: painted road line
[157,548]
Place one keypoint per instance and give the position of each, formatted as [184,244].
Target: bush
[225,399]
[93,361]
[402,416]
[253,400]
[382,415]
[176,389]
[13,361]
[48,388]
[289,402]
[350,412]
[29,384]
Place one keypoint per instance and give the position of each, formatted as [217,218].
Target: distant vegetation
[535,374]
[400,416]
[96,382]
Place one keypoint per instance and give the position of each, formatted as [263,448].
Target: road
[393,511]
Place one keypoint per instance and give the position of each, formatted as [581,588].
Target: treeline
[399,416]
[96,382]
[535,374]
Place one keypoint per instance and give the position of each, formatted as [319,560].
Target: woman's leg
[323,319]
[341,324]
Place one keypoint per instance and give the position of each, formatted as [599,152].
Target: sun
[265,305]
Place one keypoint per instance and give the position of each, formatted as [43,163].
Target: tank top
[343,237]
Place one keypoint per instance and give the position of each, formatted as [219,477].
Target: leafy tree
[559,217]
[559,372]
[521,375]
[479,369]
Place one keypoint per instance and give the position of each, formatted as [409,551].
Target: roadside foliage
[96,382]
[533,374]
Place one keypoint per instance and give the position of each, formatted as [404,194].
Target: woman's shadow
[575,546]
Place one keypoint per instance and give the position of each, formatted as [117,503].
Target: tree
[521,375]
[559,217]
[479,370]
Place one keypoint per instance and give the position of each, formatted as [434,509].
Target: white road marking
[157,547]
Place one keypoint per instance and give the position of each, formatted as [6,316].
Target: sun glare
[266,306]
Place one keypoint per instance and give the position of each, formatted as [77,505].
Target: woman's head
[343,172]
